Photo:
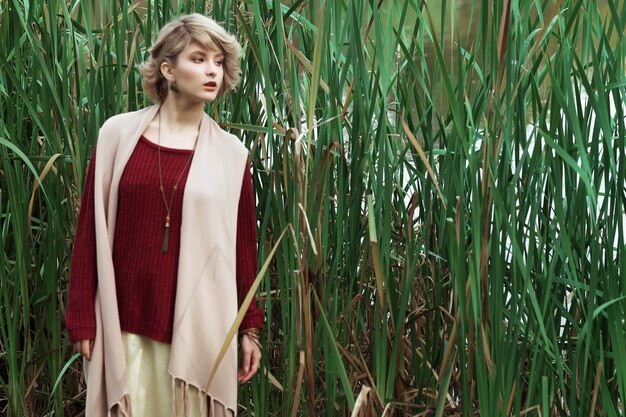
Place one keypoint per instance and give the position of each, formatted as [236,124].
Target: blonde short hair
[176,36]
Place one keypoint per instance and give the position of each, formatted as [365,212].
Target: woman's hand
[251,354]
[84,347]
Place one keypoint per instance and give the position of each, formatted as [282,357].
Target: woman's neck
[179,115]
[177,124]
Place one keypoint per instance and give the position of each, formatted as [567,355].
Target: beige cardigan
[206,292]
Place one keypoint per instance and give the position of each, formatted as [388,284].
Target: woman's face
[198,73]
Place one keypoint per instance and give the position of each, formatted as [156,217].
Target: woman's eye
[219,62]
[197,60]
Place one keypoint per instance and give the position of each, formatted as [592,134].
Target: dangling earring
[173,86]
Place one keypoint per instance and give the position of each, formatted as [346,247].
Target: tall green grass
[451,182]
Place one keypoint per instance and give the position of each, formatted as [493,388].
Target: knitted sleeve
[80,318]
[247,252]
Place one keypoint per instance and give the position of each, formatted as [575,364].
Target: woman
[165,248]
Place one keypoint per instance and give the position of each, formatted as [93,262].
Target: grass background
[450,179]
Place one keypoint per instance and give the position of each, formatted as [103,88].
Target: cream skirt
[149,381]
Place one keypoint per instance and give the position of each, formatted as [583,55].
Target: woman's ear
[166,70]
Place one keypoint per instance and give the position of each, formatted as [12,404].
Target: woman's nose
[211,68]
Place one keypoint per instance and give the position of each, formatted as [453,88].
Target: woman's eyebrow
[198,51]
[205,53]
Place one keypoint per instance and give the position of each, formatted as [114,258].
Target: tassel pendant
[166,235]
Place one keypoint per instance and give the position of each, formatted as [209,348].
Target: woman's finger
[246,361]
[247,356]
[255,361]
[84,347]
[251,358]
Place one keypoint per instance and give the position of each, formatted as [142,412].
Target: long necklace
[168,206]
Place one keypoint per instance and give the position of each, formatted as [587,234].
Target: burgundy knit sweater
[145,277]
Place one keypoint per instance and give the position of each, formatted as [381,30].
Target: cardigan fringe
[200,397]
[124,409]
